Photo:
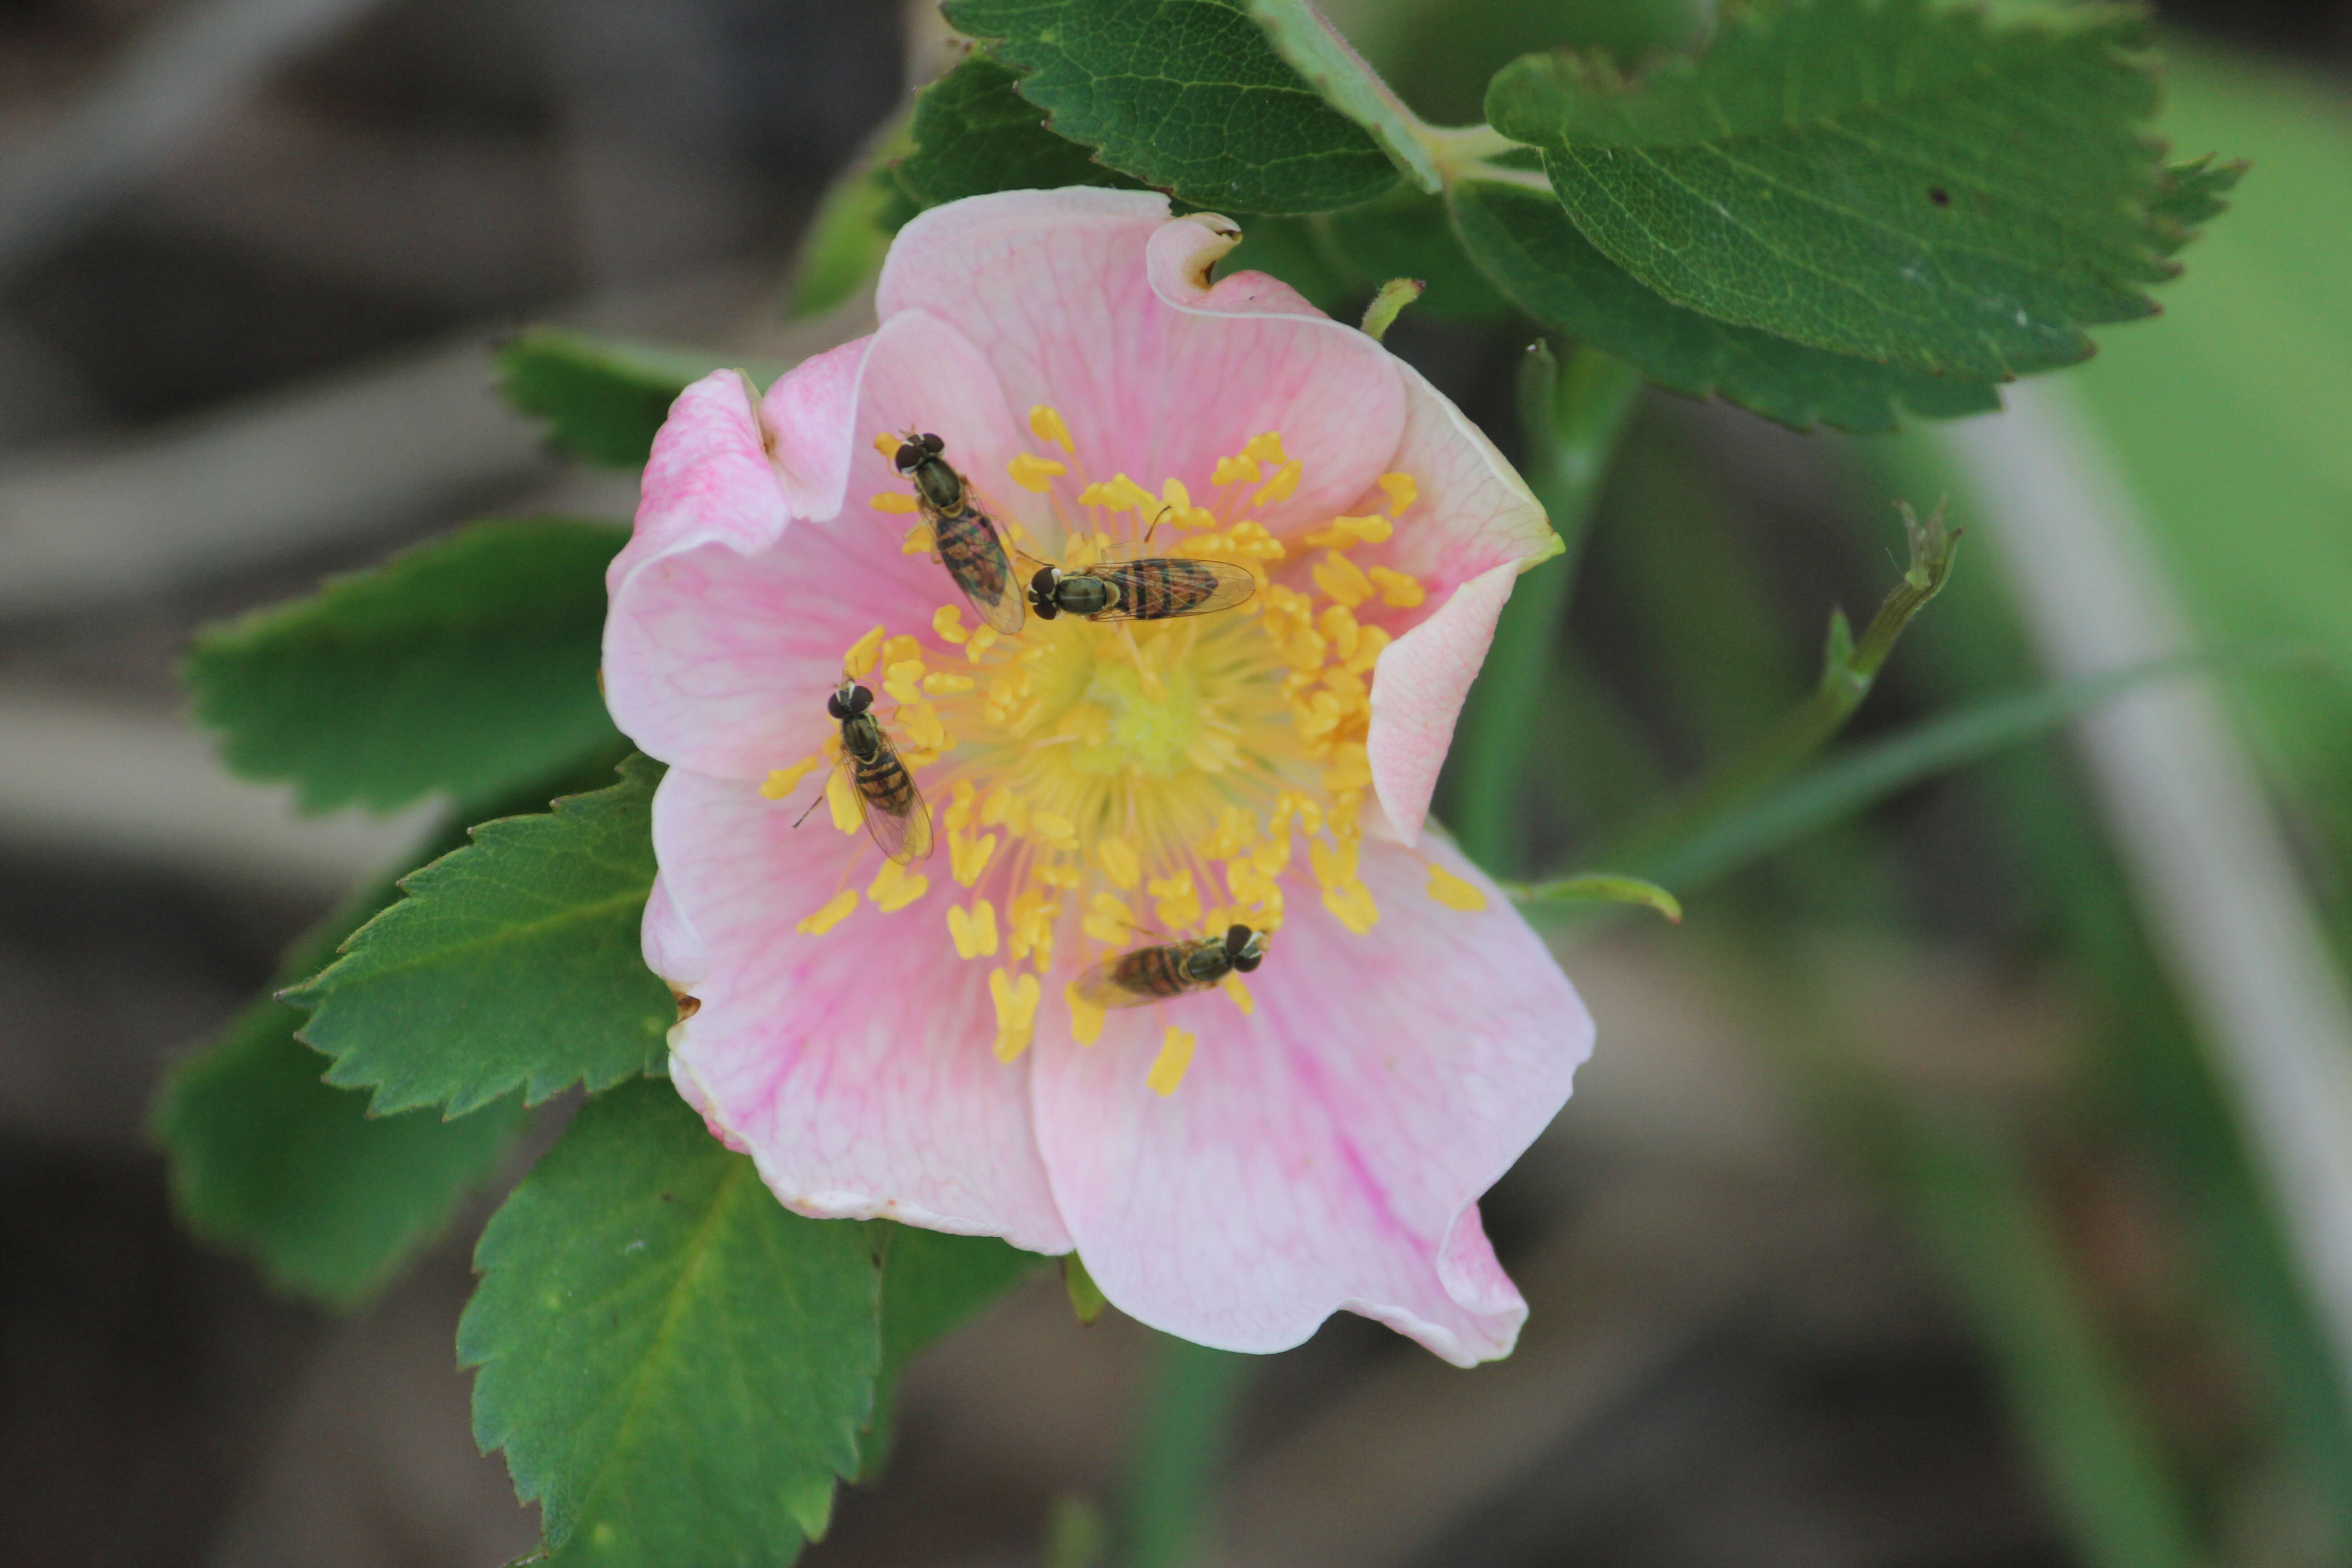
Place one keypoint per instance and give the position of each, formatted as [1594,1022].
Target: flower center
[1108,784]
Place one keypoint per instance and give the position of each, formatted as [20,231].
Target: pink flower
[1235,1164]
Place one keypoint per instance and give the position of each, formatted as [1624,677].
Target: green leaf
[933,1282]
[1185,95]
[1601,887]
[2189,196]
[1294,249]
[1404,235]
[463,665]
[1318,52]
[974,134]
[1525,242]
[676,1367]
[603,398]
[513,963]
[1893,179]
[269,1161]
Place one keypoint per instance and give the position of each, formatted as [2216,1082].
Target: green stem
[1571,416]
[1180,1453]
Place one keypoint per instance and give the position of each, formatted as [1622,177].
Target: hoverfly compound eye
[1236,939]
[933,444]
[835,707]
[860,700]
[910,453]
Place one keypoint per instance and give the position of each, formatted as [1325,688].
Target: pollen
[862,653]
[1342,579]
[1241,470]
[837,909]
[1036,474]
[1401,490]
[1279,487]
[1454,892]
[968,856]
[1046,424]
[1238,989]
[973,929]
[1086,1018]
[1119,862]
[894,500]
[1016,1012]
[947,625]
[783,781]
[1175,1057]
[888,445]
[1397,590]
[841,795]
[894,888]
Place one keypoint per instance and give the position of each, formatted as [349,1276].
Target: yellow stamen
[904,678]
[946,624]
[888,445]
[840,794]
[894,888]
[1397,590]
[1235,470]
[860,656]
[1086,1018]
[919,541]
[982,640]
[1352,904]
[973,930]
[1169,1067]
[1109,920]
[1238,989]
[894,500]
[1173,492]
[1016,1012]
[1401,490]
[1266,448]
[961,801]
[1035,473]
[783,781]
[900,649]
[1046,424]
[1454,892]
[968,857]
[939,683]
[1119,862]
[1342,579]
[1279,487]
[921,723]
[1055,830]
[1347,531]
[839,908]
[1175,900]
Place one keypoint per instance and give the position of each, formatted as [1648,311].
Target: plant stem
[1571,414]
[1180,1453]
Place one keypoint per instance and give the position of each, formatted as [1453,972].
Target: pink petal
[1329,1150]
[720,647]
[1418,686]
[856,1066]
[707,479]
[1057,288]
[671,949]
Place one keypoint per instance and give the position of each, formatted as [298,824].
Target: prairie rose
[1235,1165]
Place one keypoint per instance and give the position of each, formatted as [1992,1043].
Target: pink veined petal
[719,657]
[707,480]
[671,949]
[856,1066]
[808,420]
[1418,686]
[1056,288]
[1328,1151]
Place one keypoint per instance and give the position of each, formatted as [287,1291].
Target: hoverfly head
[836,706]
[1244,947]
[909,454]
[933,444]
[1041,593]
[860,700]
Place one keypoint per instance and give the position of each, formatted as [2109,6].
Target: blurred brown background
[251,254]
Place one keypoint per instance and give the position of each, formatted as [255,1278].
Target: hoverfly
[965,536]
[1157,589]
[893,807]
[1157,972]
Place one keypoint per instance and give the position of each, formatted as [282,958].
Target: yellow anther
[1028,919]
[1279,487]
[919,541]
[946,624]
[1352,903]
[1397,590]
[1368,650]
[921,723]
[893,501]
[1054,830]
[840,794]
[783,781]
[1333,864]
[1347,531]
[1235,829]
[1401,490]
[903,679]
[1169,1067]
[902,647]
[1005,809]
[860,656]
[1342,579]
[968,857]
[1270,855]
[1349,769]
[1175,901]
[961,801]
[1119,861]
[1035,473]
[939,683]
[894,888]
[1266,448]
[1173,492]
[982,640]
[1250,542]
[1454,892]
[1339,629]
[1304,649]
[1016,1012]
[1303,809]
[1235,470]
[1118,493]
[1238,989]
[1086,1018]
[1247,884]
[1046,424]
[837,909]
[1067,877]
[973,930]
[888,445]
[1108,920]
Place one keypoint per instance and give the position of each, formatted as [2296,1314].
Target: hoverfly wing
[1106,985]
[893,807]
[1164,587]
[974,555]
[1142,975]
